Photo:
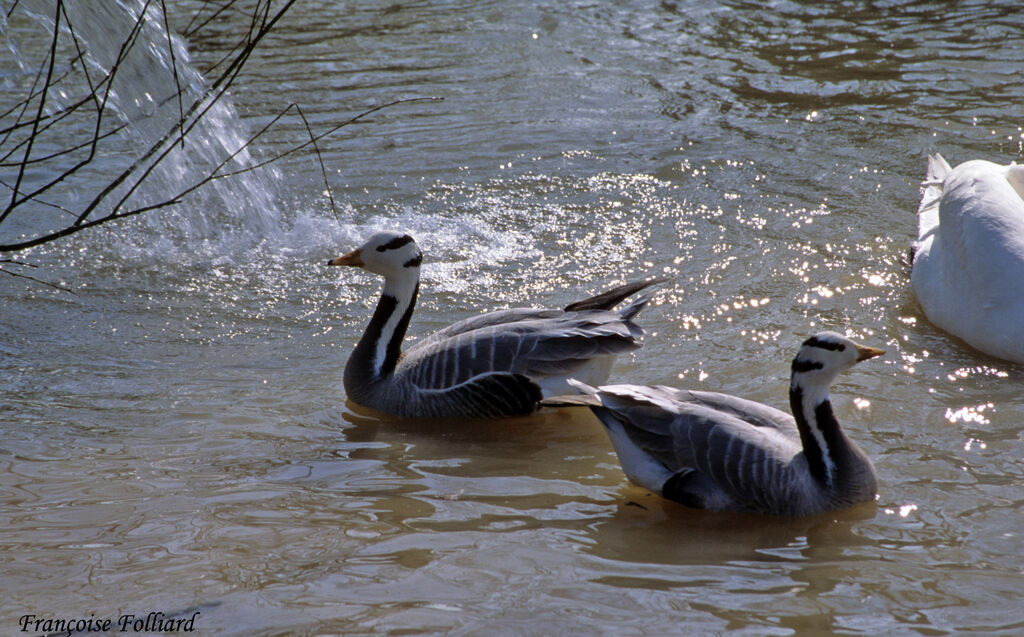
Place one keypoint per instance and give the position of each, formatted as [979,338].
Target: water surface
[175,433]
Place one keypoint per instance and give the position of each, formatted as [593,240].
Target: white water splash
[222,216]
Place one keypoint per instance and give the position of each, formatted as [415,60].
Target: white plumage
[968,265]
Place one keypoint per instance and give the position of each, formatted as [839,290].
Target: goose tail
[611,298]
[640,467]
[631,310]
[938,169]
[1015,175]
[586,398]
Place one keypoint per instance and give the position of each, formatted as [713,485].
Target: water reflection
[645,528]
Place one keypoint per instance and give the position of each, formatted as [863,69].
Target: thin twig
[320,136]
[100,106]
[44,158]
[42,103]
[217,90]
[126,46]
[316,149]
[31,278]
[214,174]
[174,71]
[262,20]
[188,32]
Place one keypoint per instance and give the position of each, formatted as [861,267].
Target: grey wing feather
[473,374]
[750,463]
[492,395]
[755,413]
[500,317]
[510,351]
[742,451]
[525,346]
[611,298]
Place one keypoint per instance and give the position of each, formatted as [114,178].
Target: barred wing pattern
[485,367]
[724,450]
[496,364]
[723,453]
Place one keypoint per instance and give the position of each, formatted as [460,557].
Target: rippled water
[175,434]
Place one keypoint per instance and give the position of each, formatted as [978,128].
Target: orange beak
[353,258]
[864,352]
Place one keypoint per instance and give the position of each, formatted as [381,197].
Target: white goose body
[968,265]
[490,366]
[722,453]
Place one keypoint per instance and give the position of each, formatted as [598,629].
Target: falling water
[154,83]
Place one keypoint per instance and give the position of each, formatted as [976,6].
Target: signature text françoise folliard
[154,622]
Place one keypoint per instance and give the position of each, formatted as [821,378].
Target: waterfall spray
[126,125]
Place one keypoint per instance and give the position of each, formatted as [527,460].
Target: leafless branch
[319,158]
[19,275]
[117,197]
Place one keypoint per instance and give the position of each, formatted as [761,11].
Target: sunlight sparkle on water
[876,280]
[969,414]
[971,442]
[903,511]
[981,370]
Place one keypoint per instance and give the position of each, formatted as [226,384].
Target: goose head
[396,257]
[820,359]
[823,356]
[389,253]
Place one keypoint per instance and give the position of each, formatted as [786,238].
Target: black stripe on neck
[395,243]
[368,343]
[812,451]
[414,262]
[394,348]
[831,432]
[366,349]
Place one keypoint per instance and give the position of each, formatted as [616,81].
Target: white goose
[715,451]
[968,262]
[490,366]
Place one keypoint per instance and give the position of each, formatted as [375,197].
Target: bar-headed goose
[715,451]
[968,267]
[493,365]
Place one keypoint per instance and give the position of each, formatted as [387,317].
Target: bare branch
[174,70]
[42,103]
[31,278]
[317,138]
[316,149]
[117,197]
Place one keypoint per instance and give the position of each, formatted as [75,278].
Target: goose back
[503,363]
[968,267]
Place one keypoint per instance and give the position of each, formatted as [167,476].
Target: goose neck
[380,347]
[820,434]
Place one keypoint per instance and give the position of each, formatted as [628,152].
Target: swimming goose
[490,366]
[715,451]
[968,264]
